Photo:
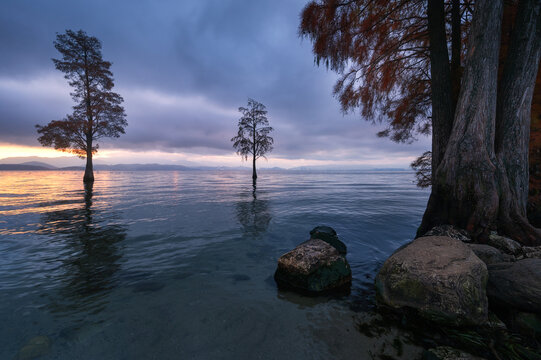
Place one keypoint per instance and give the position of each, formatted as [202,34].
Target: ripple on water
[146,264]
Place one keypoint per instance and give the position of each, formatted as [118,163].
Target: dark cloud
[183,68]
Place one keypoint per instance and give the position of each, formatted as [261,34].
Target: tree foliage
[98,111]
[253,134]
[380,48]
[423,169]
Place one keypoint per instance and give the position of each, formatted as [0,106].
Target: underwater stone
[35,347]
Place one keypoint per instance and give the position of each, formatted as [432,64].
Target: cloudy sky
[184,67]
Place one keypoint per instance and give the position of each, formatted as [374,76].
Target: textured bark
[456,46]
[513,121]
[534,198]
[464,191]
[482,181]
[89,169]
[442,103]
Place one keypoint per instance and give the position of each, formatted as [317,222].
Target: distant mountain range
[37,163]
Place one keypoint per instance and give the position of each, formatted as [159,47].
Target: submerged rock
[438,276]
[328,234]
[489,254]
[34,348]
[516,285]
[506,245]
[448,353]
[314,266]
[449,231]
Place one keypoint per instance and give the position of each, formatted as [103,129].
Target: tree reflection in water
[253,213]
[88,258]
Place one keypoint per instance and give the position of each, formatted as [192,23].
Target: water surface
[171,265]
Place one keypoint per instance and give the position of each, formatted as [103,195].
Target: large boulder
[328,234]
[516,285]
[489,254]
[438,276]
[314,267]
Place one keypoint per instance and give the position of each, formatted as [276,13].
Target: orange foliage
[380,48]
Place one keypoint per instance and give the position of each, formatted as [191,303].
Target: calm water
[179,265]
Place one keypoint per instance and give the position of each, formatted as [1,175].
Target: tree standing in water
[253,135]
[98,112]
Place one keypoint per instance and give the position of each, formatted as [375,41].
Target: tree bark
[441,85]
[89,169]
[456,47]
[513,121]
[464,191]
[254,173]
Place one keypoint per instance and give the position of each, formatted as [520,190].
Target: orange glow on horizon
[120,156]
[11,150]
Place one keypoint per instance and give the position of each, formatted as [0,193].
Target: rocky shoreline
[487,292]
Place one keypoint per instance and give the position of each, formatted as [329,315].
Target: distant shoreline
[159,167]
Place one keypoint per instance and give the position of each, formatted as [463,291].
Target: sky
[183,68]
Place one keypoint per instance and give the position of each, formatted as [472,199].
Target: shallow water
[168,265]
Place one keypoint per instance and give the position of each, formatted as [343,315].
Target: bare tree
[253,135]
[98,112]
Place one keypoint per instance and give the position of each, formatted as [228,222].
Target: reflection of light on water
[185,259]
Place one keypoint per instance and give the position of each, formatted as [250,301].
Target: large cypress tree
[97,113]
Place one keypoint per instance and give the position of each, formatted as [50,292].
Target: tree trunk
[89,170]
[254,173]
[534,198]
[456,47]
[464,191]
[441,86]
[481,183]
[513,121]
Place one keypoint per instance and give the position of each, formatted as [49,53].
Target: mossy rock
[439,277]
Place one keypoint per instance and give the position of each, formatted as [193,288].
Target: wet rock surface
[438,276]
[328,234]
[313,267]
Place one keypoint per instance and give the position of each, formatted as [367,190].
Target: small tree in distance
[253,135]
[98,112]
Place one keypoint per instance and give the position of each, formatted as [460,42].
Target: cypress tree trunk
[482,182]
[254,173]
[441,85]
[464,190]
[513,121]
[89,169]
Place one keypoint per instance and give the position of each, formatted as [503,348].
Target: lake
[179,265]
